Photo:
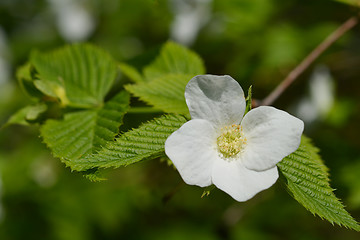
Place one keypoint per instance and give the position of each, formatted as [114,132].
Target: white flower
[220,146]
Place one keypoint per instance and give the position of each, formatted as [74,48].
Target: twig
[292,76]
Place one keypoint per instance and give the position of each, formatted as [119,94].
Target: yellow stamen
[231,141]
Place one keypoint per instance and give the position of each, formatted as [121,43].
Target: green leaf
[84,132]
[80,75]
[143,143]
[27,114]
[166,78]
[24,75]
[174,59]
[52,89]
[248,101]
[307,180]
[131,73]
[94,175]
[165,93]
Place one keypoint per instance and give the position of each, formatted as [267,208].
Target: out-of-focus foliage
[355,3]
[256,42]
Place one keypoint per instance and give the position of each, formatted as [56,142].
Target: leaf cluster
[70,86]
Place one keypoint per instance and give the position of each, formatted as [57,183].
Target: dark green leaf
[143,143]
[307,180]
[83,132]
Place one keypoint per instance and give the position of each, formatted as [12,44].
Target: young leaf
[79,75]
[83,132]
[24,74]
[165,93]
[143,143]
[52,89]
[26,114]
[307,180]
[131,73]
[174,59]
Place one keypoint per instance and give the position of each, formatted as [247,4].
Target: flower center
[231,141]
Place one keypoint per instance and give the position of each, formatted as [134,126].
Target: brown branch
[294,74]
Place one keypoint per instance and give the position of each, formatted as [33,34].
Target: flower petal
[218,99]
[271,135]
[239,182]
[192,150]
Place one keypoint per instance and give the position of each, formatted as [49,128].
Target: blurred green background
[255,41]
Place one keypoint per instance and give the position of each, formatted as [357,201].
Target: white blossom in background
[189,18]
[321,96]
[43,172]
[74,22]
[221,146]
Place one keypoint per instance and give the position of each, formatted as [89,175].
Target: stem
[294,74]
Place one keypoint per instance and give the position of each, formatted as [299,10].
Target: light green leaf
[165,93]
[174,59]
[35,110]
[52,89]
[27,114]
[80,75]
[83,132]
[307,180]
[131,73]
[143,143]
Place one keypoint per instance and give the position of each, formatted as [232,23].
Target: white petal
[219,99]
[271,135]
[239,182]
[192,150]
